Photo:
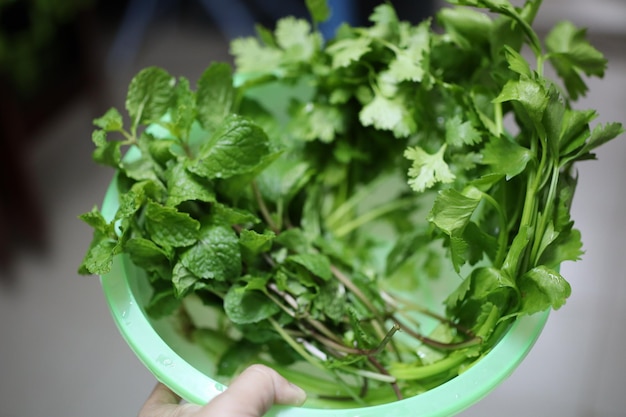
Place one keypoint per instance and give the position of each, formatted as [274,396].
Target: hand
[251,394]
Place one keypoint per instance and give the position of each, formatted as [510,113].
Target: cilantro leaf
[571,54]
[317,122]
[466,27]
[542,288]
[294,36]
[410,61]
[452,210]
[426,169]
[530,93]
[388,114]
[506,157]
[318,9]
[349,50]
[459,132]
[251,57]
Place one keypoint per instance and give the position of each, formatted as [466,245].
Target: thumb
[253,393]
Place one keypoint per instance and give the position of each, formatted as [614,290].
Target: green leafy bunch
[310,195]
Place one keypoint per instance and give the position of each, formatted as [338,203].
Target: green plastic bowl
[186,368]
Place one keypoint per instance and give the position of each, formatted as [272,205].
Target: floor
[61,355]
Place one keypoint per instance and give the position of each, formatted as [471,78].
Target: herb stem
[263,208]
[546,217]
[503,236]
[355,290]
[476,340]
[382,370]
[372,215]
[427,371]
[296,346]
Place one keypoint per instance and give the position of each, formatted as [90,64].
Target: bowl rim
[196,387]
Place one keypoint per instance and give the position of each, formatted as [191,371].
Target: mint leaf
[107,152]
[99,257]
[253,243]
[170,228]
[149,95]
[182,111]
[163,302]
[111,121]
[236,147]
[184,186]
[244,306]
[215,95]
[215,255]
[317,264]
[426,169]
[96,220]
[283,179]
[147,255]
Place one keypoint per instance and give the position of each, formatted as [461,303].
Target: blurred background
[64,62]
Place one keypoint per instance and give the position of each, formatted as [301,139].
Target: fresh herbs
[309,199]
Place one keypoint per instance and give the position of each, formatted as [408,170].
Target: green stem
[503,236]
[543,224]
[371,215]
[355,290]
[263,208]
[347,206]
[437,344]
[426,371]
[296,346]
[497,109]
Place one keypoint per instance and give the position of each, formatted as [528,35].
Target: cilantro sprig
[304,196]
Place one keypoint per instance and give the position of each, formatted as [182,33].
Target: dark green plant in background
[32,36]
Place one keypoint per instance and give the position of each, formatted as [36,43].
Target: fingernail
[298,395]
